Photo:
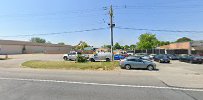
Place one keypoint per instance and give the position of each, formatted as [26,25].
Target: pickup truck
[73,56]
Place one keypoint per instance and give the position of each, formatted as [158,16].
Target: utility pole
[111,29]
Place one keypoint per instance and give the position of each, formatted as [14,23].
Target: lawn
[71,65]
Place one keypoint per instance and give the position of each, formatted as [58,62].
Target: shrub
[81,59]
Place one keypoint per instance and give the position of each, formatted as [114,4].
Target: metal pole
[111,29]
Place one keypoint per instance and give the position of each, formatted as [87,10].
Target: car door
[139,63]
[69,56]
[96,57]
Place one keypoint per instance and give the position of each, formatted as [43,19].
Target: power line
[158,30]
[82,11]
[152,7]
[78,31]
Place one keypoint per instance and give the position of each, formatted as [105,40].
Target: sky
[33,17]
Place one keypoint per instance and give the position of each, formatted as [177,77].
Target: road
[29,84]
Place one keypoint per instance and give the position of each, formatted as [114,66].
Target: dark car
[161,58]
[172,57]
[195,59]
[184,58]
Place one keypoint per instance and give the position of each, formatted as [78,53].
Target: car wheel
[128,67]
[107,60]
[150,67]
[92,60]
[65,58]
[160,61]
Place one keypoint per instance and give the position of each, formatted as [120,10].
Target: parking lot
[174,74]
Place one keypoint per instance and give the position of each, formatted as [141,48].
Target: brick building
[194,47]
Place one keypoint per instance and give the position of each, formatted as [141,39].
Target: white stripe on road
[100,84]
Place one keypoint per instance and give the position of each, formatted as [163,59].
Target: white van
[102,56]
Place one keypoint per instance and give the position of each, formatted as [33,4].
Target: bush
[81,59]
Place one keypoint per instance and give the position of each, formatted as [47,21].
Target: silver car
[134,62]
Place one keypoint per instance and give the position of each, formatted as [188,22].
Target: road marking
[101,84]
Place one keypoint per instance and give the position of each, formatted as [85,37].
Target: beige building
[23,47]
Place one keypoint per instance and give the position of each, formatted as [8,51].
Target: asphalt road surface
[21,84]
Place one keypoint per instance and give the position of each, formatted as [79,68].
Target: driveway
[17,60]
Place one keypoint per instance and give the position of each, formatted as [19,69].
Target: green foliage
[126,47]
[117,46]
[161,43]
[81,59]
[106,46]
[81,45]
[184,39]
[37,40]
[61,43]
[132,47]
[147,41]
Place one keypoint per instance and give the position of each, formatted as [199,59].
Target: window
[138,60]
[131,60]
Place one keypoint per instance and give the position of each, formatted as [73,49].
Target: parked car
[141,54]
[172,57]
[102,56]
[162,58]
[134,62]
[196,59]
[130,53]
[71,56]
[152,56]
[192,59]
[184,58]
[118,57]
[145,57]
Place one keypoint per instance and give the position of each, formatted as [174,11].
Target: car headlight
[161,59]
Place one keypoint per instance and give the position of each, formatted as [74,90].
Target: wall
[34,49]
[18,49]
[182,45]
[11,49]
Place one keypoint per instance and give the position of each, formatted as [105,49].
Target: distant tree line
[146,41]
[41,40]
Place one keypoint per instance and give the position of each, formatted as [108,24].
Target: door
[138,63]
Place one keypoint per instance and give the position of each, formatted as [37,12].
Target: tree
[132,47]
[106,46]
[37,40]
[184,39]
[161,43]
[126,47]
[117,46]
[61,43]
[81,45]
[147,41]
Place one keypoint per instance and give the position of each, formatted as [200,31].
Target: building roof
[14,42]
